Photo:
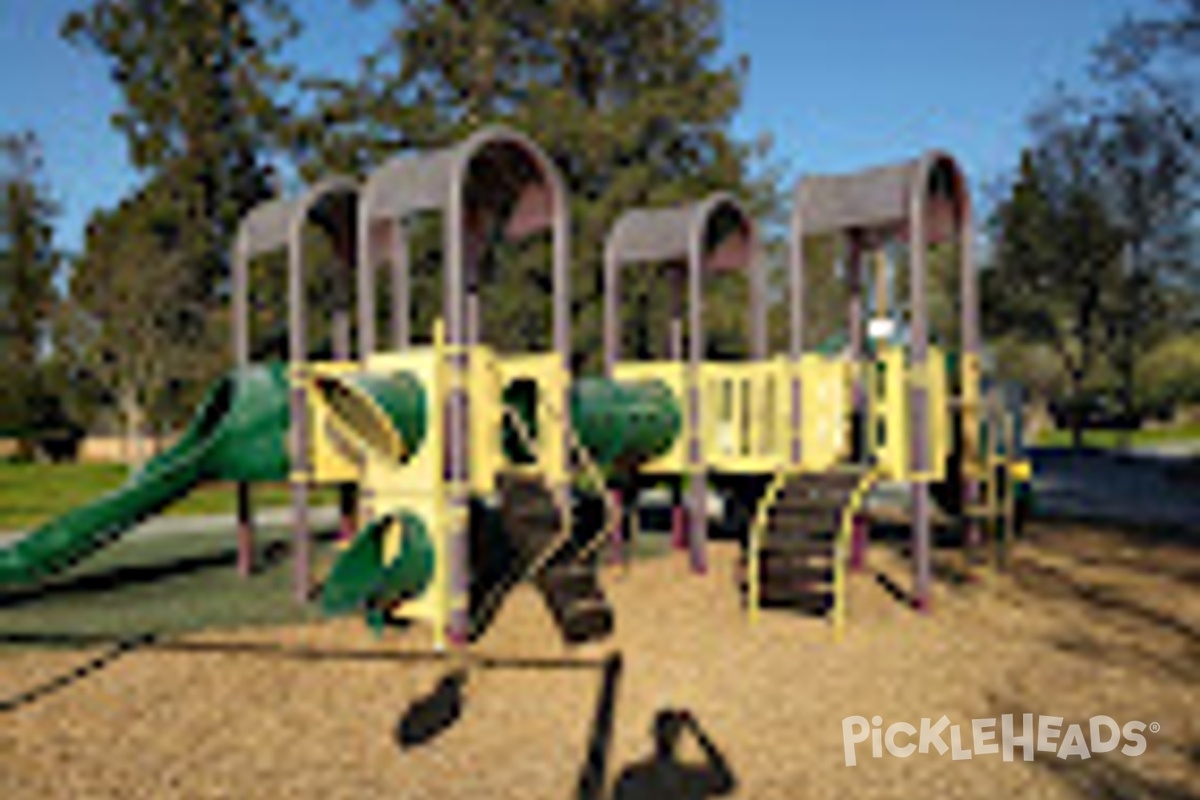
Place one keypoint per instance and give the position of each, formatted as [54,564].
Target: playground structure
[465,470]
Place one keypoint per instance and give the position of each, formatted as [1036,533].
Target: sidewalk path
[189,525]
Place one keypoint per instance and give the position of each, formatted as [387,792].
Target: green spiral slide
[237,434]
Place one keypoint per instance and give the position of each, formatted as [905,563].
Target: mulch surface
[1085,622]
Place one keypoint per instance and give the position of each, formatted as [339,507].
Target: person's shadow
[665,777]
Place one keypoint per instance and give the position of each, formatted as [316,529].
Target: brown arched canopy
[278,224]
[710,235]
[923,201]
[331,205]
[497,178]
[920,202]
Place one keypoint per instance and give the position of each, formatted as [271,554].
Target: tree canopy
[28,264]
[1096,248]
[629,98]
[1093,246]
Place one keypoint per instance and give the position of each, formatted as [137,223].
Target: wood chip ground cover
[1078,627]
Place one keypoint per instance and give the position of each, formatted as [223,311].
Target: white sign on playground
[989,736]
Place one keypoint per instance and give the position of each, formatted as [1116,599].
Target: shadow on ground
[430,716]
[80,673]
[149,644]
[1105,775]
[664,775]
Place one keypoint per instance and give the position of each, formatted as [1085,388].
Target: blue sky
[837,84]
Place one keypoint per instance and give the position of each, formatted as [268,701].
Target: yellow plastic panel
[333,456]
[417,485]
[547,372]
[890,429]
[484,381]
[826,408]
[939,412]
[740,421]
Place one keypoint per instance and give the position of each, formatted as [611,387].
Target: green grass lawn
[31,494]
[158,586]
[1113,439]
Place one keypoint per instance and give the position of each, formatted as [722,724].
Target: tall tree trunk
[1076,409]
[131,422]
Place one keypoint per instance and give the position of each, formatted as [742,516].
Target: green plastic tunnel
[625,422]
[362,578]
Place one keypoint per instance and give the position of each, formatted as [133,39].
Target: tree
[627,96]
[1056,259]
[118,328]
[1148,190]
[200,83]
[1170,373]
[1096,248]
[1152,59]
[1152,168]
[28,264]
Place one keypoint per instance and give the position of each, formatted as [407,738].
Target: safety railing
[841,554]
[758,531]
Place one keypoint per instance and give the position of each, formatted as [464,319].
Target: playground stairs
[798,546]
[551,558]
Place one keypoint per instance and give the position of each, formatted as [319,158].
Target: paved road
[1154,486]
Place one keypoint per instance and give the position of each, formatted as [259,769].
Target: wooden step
[586,621]
[776,596]
[819,490]
[579,618]
[797,549]
[793,535]
[816,577]
[839,478]
[817,605]
[562,587]
[576,579]
[806,519]
[793,571]
[540,516]
[808,498]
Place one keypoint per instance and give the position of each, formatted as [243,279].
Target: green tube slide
[237,435]
[363,580]
[625,422]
